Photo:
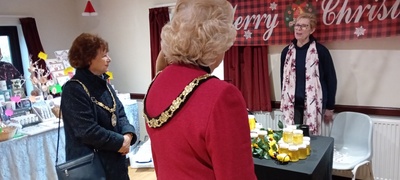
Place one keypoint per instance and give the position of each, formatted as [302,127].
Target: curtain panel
[247,68]
[32,40]
[158,17]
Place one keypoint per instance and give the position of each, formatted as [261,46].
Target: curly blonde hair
[85,48]
[199,32]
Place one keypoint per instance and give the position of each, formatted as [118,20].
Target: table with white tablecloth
[32,157]
[131,110]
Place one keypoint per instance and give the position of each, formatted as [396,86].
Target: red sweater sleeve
[228,137]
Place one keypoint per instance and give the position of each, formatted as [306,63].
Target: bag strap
[58,135]
[59,117]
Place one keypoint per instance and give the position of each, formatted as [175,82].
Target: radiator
[386,149]
[270,120]
[266,119]
[386,145]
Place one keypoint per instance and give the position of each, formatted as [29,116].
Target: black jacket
[83,132]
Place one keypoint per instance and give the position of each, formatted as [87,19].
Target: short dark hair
[85,48]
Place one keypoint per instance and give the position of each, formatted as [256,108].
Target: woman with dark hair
[93,116]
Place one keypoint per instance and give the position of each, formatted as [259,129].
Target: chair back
[352,132]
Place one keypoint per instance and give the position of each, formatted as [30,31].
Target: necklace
[111,110]
[175,105]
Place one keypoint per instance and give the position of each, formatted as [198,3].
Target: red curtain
[158,17]
[32,40]
[247,68]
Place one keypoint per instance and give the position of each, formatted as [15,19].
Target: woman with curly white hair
[197,123]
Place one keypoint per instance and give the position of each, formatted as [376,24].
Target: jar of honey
[294,153]
[302,151]
[297,137]
[287,135]
[283,148]
[308,147]
[252,122]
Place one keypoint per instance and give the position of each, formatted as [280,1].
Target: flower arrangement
[264,145]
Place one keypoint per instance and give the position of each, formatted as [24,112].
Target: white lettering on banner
[345,13]
[269,20]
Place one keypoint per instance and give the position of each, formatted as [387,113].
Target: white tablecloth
[131,110]
[33,157]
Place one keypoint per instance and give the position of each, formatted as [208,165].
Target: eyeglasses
[301,26]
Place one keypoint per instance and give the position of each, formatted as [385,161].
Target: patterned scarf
[313,96]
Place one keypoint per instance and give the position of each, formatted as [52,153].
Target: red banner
[261,22]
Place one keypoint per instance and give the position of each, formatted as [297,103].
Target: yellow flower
[270,131]
[272,153]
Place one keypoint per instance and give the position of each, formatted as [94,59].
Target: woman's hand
[328,116]
[126,144]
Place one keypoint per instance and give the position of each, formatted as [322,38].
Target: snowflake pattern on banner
[247,34]
[273,6]
[360,31]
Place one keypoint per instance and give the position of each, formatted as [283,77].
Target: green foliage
[278,135]
[280,125]
[261,146]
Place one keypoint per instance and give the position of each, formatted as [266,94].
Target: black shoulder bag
[87,167]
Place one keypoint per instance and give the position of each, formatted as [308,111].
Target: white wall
[125,25]
[367,71]
[56,20]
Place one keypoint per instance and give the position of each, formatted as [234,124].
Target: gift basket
[7,132]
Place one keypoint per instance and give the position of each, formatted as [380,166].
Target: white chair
[352,133]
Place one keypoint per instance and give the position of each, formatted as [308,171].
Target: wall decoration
[62,55]
[54,65]
[261,23]
[89,10]
[62,79]
[56,74]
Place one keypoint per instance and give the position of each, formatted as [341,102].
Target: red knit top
[208,137]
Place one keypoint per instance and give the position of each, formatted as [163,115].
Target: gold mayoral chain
[175,105]
[111,110]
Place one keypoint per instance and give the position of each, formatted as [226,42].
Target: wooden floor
[142,173]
